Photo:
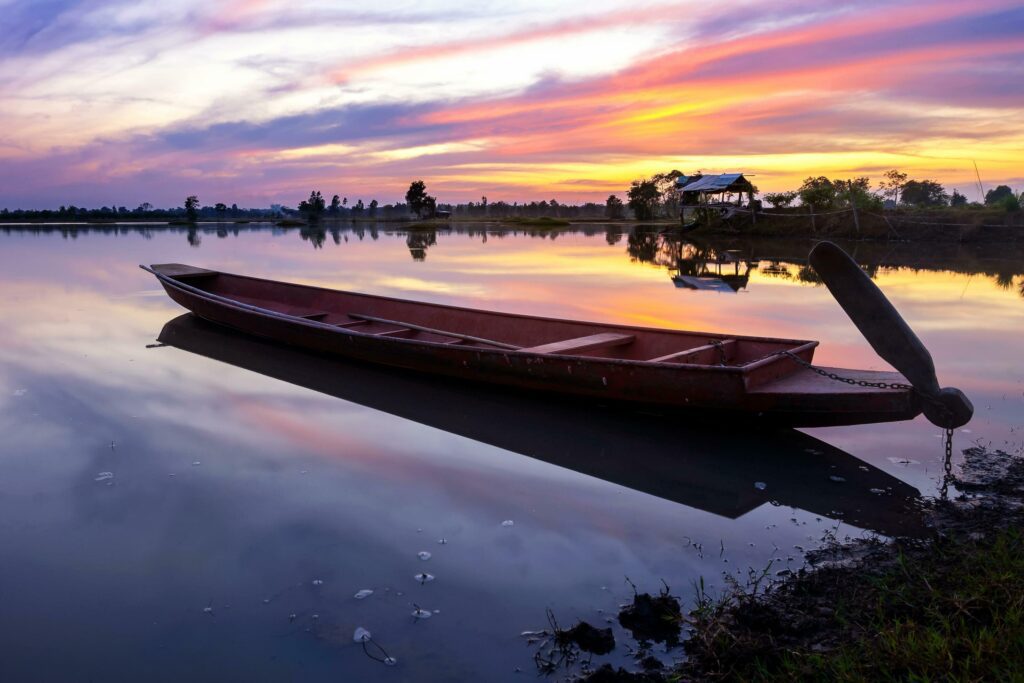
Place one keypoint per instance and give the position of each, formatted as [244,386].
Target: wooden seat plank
[699,355]
[432,330]
[588,343]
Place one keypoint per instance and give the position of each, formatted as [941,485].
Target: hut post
[814,227]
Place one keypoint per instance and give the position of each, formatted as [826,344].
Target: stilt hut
[709,189]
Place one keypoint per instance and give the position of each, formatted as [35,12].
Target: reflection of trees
[313,234]
[808,275]
[643,244]
[777,269]
[1004,280]
[419,241]
[194,238]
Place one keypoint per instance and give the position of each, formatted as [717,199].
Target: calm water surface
[207,509]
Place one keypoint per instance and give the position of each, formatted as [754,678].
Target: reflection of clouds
[248,524]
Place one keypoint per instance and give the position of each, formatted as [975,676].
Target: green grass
[948,610]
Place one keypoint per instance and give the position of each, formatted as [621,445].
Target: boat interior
[397,318]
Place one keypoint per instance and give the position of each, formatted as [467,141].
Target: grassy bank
[951,608]
[948,606]
[937,225]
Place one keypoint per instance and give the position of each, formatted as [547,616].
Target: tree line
[645,199]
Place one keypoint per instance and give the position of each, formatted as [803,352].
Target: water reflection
[703,268]
[710,469]
[693,263]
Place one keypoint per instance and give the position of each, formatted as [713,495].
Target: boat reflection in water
[713,469]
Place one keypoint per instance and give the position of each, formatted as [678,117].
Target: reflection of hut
[696,273]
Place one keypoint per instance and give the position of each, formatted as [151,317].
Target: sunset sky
[259,101]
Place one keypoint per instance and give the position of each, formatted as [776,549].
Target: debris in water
[877,492]
[364,593]
[361,635]
[318,582]
[508,522]
[836,477]
[316,617]
[292,617]
[421,613]
[104,476]
[390,661]
[208,609]
[903,461]
[424,577]
[196,463]
[760,485]
[599,641]
[653,618]
[442,541]
[423,555]
[20,392]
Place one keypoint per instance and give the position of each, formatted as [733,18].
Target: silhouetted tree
[957,199]
[613,208]
[670,196]
[417,198]
[997,195]
[780,200]
[892,185]
[643,199]
[335,204]
[312,207]
[192,208]
[818,193]
[924,193]
[373,207]
[856,190]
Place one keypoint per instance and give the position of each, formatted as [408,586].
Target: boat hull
[728,393]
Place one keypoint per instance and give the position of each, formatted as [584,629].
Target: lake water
[208,509]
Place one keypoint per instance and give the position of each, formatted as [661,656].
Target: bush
[780,200]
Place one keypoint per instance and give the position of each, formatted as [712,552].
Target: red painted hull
[733,377]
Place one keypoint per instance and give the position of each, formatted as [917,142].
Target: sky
[258,102]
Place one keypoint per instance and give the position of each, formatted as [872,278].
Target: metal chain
[840,378]
[947,465]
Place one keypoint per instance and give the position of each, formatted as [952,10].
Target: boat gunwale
[217,299]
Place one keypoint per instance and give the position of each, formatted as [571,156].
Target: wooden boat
[753,379]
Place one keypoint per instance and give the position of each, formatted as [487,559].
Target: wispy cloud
[258,100]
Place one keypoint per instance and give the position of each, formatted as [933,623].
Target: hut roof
[724,182]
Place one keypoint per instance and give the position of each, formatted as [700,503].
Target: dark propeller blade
[888,334]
